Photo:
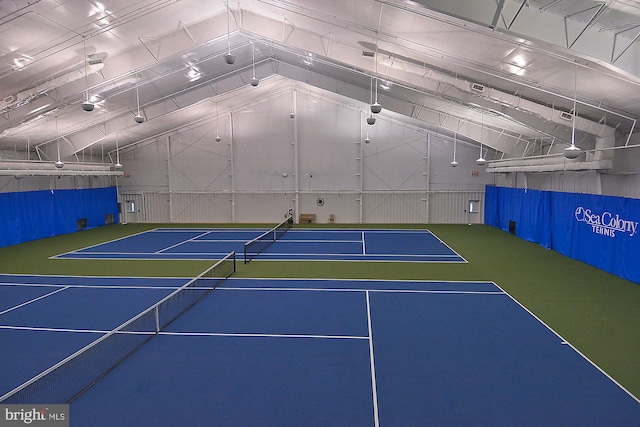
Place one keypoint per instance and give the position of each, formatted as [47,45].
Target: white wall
[268,162]
[316,162]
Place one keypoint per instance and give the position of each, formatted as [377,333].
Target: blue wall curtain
[34,215]
[599,230]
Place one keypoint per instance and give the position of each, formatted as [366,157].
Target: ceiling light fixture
[371,120]
[376,107]
[229,57]
[58,163]
[254,79]
[218,139]
[117,165]
[454,163]
[138,117]
[481,161]
[87,105]
[573,152]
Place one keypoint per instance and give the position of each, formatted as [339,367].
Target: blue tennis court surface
[312,352]
[297,244]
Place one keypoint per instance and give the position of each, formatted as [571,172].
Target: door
[474,212]
[132,208]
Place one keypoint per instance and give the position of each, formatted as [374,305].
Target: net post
[157,320]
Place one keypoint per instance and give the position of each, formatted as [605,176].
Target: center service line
[373,368]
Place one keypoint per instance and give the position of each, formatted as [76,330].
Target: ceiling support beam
[496,16]
[587,25]
[523,4]
[614,58]
[548,27]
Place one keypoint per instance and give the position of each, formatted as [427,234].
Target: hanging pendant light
[58,163]
[454,163]
[573,152]
[87,105]
[229,58]
[117,165]
[218,139]
[139,118]
[254,79]
[481,161]
[371,120]
[376,107]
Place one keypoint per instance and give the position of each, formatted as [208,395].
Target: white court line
[220,240]
[185,334]
[182,242]
[360,254]
[317,241]
[364,247]
[450,248]
[391,291]
[372,363]
[42,329]
[33,300]
[262,335]
[48,285]
[100,244]
[147,254]
[565,342]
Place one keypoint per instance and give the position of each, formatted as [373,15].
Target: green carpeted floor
[596,312]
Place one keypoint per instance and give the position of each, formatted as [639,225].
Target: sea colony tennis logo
[38,415]
[606,223]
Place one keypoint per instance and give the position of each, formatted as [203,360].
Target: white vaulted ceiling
[515,68]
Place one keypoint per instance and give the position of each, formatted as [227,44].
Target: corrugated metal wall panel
[445,207]
[344,206]
[394,207]
[200,207]
[453,207]
[157,207]
[262,207]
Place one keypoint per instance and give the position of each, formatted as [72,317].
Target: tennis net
[254,247]
[68,379]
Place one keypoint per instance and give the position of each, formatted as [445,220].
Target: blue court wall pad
[599,230]
[31,215]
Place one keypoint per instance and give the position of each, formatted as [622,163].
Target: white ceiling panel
[437,64]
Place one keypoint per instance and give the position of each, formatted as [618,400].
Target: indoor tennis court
[285,350]
[297,244]
[368,213]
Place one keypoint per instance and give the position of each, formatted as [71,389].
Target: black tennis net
[254,247]
[68,379]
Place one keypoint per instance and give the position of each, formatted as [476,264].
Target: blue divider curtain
[31,215]
[600,230]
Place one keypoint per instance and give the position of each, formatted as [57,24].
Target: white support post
[232,170]
[361,168]
[169,179]
[428,177]
[296,156]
